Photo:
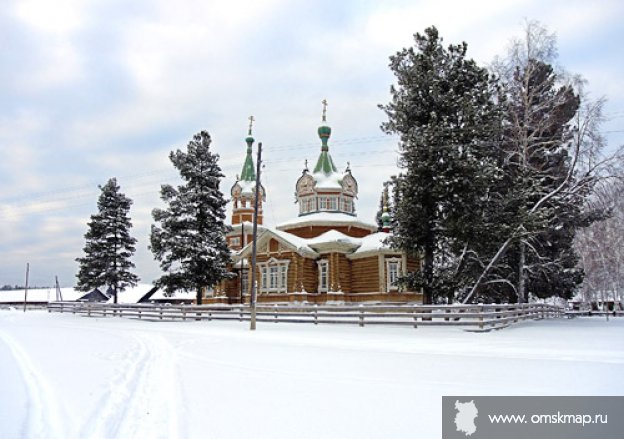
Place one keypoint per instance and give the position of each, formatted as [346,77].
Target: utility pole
[242,294]
[254,287]
[26,287]
[59,295]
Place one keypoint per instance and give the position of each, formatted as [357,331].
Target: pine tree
[537,143]
[551,163]
[189,241]
[448,122]
[109,245]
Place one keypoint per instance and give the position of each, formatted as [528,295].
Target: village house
[325,254]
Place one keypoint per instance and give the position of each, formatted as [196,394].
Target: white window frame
[274,276]
[389,281]
[323,275]
[347,205]
[235,240]
[306,205]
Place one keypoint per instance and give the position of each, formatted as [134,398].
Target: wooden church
[325,254]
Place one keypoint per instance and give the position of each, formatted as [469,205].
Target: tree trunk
[428,275]
[199,295]
[522,274]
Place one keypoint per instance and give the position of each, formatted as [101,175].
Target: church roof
[334,236]
[326,219]
[332,240]
[373,243]
[249,173]
[328,181]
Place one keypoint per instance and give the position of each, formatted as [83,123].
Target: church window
[393,271]
[328,203]
[306,205]
[347,205]
[323,270]
[274,276]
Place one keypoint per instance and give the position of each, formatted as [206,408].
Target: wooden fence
[475,317]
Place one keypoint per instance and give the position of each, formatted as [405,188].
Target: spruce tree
[444,111]
[189,240]
[109,245]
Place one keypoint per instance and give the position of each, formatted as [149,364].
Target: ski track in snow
[43,413]
[144,398]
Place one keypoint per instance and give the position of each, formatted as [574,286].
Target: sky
[93,89]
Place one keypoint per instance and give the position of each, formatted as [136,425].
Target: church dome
[326,189]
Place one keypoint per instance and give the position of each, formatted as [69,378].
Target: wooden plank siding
[344,273]
[309,275]
[314,231]
[360,279]
[365,275]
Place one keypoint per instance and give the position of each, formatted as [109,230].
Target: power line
[159,171]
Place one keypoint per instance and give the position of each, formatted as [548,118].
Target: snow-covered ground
[68,376]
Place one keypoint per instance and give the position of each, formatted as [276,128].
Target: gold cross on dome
[324,102]
[251,121]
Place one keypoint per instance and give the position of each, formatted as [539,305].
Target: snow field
[67,376]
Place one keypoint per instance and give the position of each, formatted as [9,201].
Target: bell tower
[244,190]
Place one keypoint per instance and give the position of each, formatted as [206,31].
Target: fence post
[88,310]
[414,311]
[160,310]
[480,310]
[275,311]
[316,313]
[242,308]
[361,315]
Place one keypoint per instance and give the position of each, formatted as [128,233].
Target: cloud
[91,90]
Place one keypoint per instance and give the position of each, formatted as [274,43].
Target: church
[325,254]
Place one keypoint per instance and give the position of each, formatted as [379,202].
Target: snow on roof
[328,181]
[179,294]
[132,294]
[373,243]
[326,218]
[334,236]
[247,187]
[248,225]
[300,243]
[39,295]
